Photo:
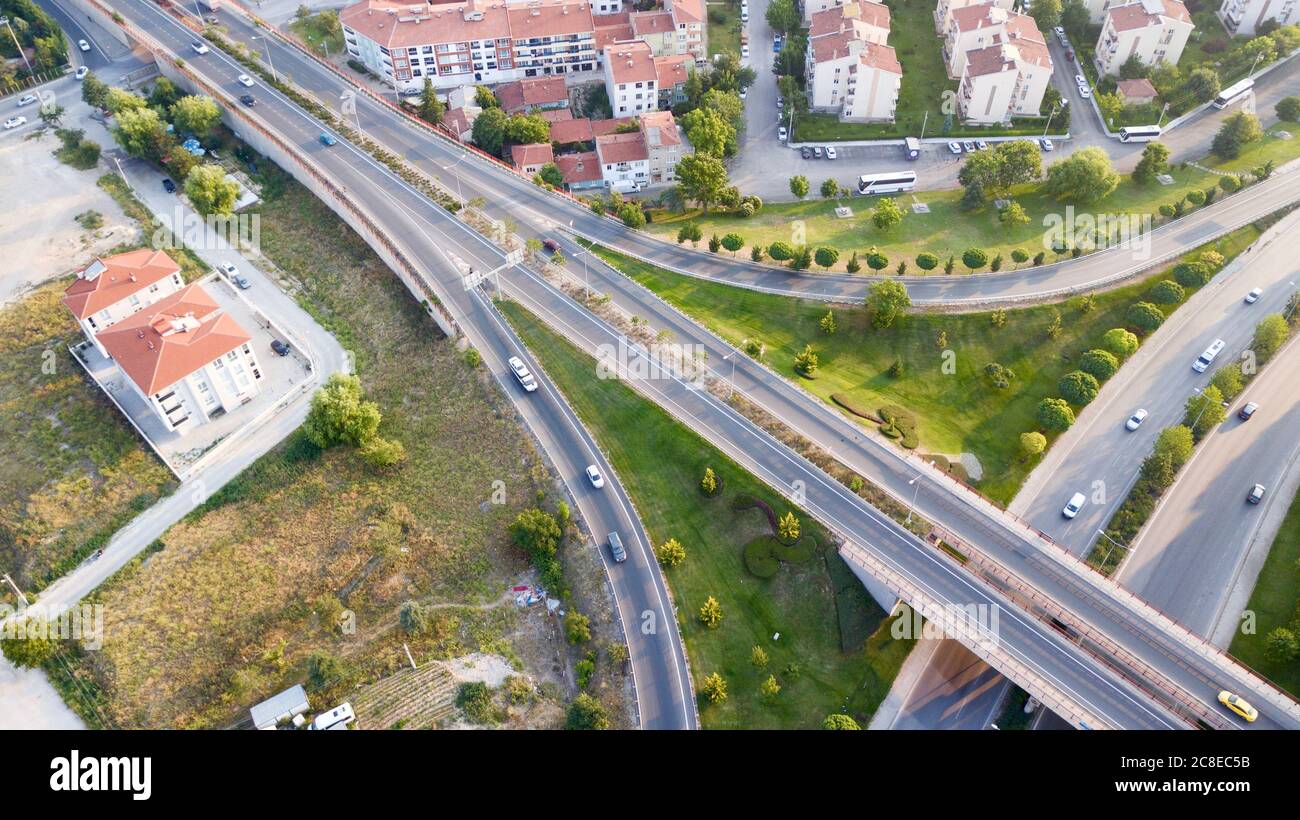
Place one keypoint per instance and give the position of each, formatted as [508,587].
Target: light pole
[269,61]
[122,174]
[5,22]
[1295,300]
[1112,549]
[1049,121]
[731,383]
[915,481]
[448,168]
[1163,110]
[1204,406]
[924,121]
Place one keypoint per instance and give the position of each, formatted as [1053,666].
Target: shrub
[974,258]
[1167,292]
[1145,316]
[838,722]
[714,688]
[1288,109]
[577,627]
[1032,444]
[709,484]
[899,424]
[1229,184]
[711,613]
[670,553]
[1054,415]
[780,251]
[1191,274]
[759,559]
[805,362]
[1270,334]
[853,265]
[586,713]
[999,376]
[1100,364]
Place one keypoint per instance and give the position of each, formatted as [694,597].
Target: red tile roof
[652,22]
[838,18]
[538,153]
[576,130]
[584,167]
[117,278]
[554,115]
[1138,89]
[660,129]
[630,62]
[629,147]
[1146,13]
[172,338]
[671,71]
[881,57]
[602,127]
[522,94]
[549,20]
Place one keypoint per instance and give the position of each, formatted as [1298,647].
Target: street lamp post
[1049,121]
[731,382]
[448,169]
[915,481]
[269,61]
[1163,111]
[1113,541]
[5,22]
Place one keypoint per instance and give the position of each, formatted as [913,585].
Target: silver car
[616,548]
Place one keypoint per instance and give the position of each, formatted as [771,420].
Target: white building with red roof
[671,74]
[692,27]
[665,146]
[581,172]
[1004,80]
[532,95]
[529,159]
[1154,31]
[981,25]
[111,289]
[185,357]
[1244,17]
[624,160]
[849,68]
[631,79]
[944,8]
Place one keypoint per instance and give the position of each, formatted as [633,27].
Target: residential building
[624,160]
[581,172]
[944,8]
[630,78]
[529,159]
[980,26]
[692,27]
[658,30]
[813,7]
[1136,92]
[114,288]
[849,68]
[1244,17]
[1154,31]
[186,358]
[460,121]
[671,74]
[532,95]
[1004,80]
[665,145]
[570,131]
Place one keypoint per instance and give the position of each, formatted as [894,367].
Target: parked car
[1069,56]
[805,152]
[954,147]
[1085,92]
[198,47]
[744,92]
[780,101]
[248,100]
[1247,410]
[1135,420]
[593,475]
[817,152]
[232,273]
[968,145]
[1074,505]
[26,99]
[781,133]
[82,72]
[744,17]
[169,186]
[830,152]
[526,380]
[1253,296]
[14,122]
[1238,706]
[1060,31]
[1046,144]
[280,348]
[616,548]
[981,145]
[246,81]
[1256,494]
[83,45]
[1079,79]
[327,139]
[744,52]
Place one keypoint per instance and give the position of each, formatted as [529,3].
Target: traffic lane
[1107,452]
[97,58]
[410,208]
[957,690]
[1190,554]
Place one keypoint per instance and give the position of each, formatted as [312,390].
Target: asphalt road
[1081,674]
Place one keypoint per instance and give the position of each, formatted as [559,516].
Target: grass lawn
[948,230]
[723,35]
[236,597]
[1274,603]
[956,413]
[72,469]
[661,463]
[314,31]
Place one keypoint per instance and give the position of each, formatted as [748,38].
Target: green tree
[1100,364]
[1014,215]
[993,172]
[1236,132]
[1174,443]
[1281,645]
[702,178]
[887,301]
[1047,13]
[826,257]
[1204,411]
[709,483]
[827,323]
[758,657]
[485,99]
[1078,387]
[1287,108]
[1202,84]
[840,722]
[1055,415]
[1145,316]
[489,130]
[632,215]
[431,107]
[211,191]
[670,553]
[119,100]
[1085,176]
[1228,380]
[830,188]
[799,186]
[783,16]
[1166,292]
[586,713]
[194,114]
[733,242]
[711,613]
[538,534]
[141,133]
[805,362]
[550,174]
[1155,160]
[33,648]
[927,261]
[1270,335]
[412,618]
[886,214]
[787,528]
[974,258]
[1032,444]
[94,91]
[780,251]
[577,627]
[769,688]
[527,129]
[709,132]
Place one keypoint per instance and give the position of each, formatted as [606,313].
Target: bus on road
[890,183]
[1234,93]
[1139,133]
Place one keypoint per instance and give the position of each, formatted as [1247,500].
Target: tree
[431,107]
[1133,68]
[489,130]
[1235,133]
[787,528]
[758,657]
[1032,444]
[1020,256]
[211,190]
[1013,215]
[412,618]
[670,553]
[1075,17]
[586,713]
[1054,415]
[527,129]
[711,613]
[1201,85]
[194,114]
[783,16]
[992,173]
[927,261]
[141,133]
[1166,292]
[1228,380]
[1204,411]
[780,251]
[803,258]
[1191,274]
[974,258]
[886,214]
[1174,443]
[1270,335]
[550,174]
[709,483]
[799,186]
[830,189]
[1084,176]
[733,242]
[725,102]
[876,260]
[826,257]
[709,132]
[714,688]
[1145,316]
[805,362]
[1100,364]
[632,215]
[94,91]
[577,627]
[769,688]
[838,722]
[887,300]
[1229,184]
[1078,387]
[827,323]
[1119,341]
[1281,645]
[1155,160]
[1287,108]
[119,100]
[31,650]
[485,99]
[701,177]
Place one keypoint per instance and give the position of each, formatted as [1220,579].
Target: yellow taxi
[1243,709]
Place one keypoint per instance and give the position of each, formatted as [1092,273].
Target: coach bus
[1139,133]
[1234,93]
[891,183]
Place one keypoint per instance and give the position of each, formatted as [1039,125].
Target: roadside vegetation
[742,563]
[321,31]
[72,469]
[1274,647]
[999,384]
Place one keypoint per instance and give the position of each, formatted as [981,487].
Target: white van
[526,380]
[1203,363]
[335,719]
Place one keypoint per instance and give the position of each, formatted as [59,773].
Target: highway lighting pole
[1295,300]
[917,492]
[448,168]
[731,382]
[122,174]
[1112,549]
[269,61]
[4,21]
[924,120]
[1163,110]
[1049,121]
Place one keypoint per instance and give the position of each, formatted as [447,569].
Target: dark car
[817,152]
[1247,411]
[805,152]
[551,245]
[1256,494]
[280,348]
[169,186]
[247,99]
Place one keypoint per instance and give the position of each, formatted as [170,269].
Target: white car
[1073,507]
[1135,420]
[1060,31]
[1085,92]
[954,147]
[744,17]
[744,92]
[81,73]
[246,81]
[593,475]
[1046,144]
[199,48]
[1253,296]
[1079,79]
[14,122]
[744,52]
[83,45]
[781,133]
[26,99]
[830,152]
[526,380]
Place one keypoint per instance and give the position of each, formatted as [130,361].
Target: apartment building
[114,288]
[624,160]
[850,69]
[1244,17]
[671,74]
[944,8]
[979,26]
[185,357]
[631,79]
[1155,31]
[533,95]
[1004,80]
[529,159]
[692,27]
[664,145]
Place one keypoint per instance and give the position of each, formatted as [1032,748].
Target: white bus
[1233,93]
[1139,133]
[890,183]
